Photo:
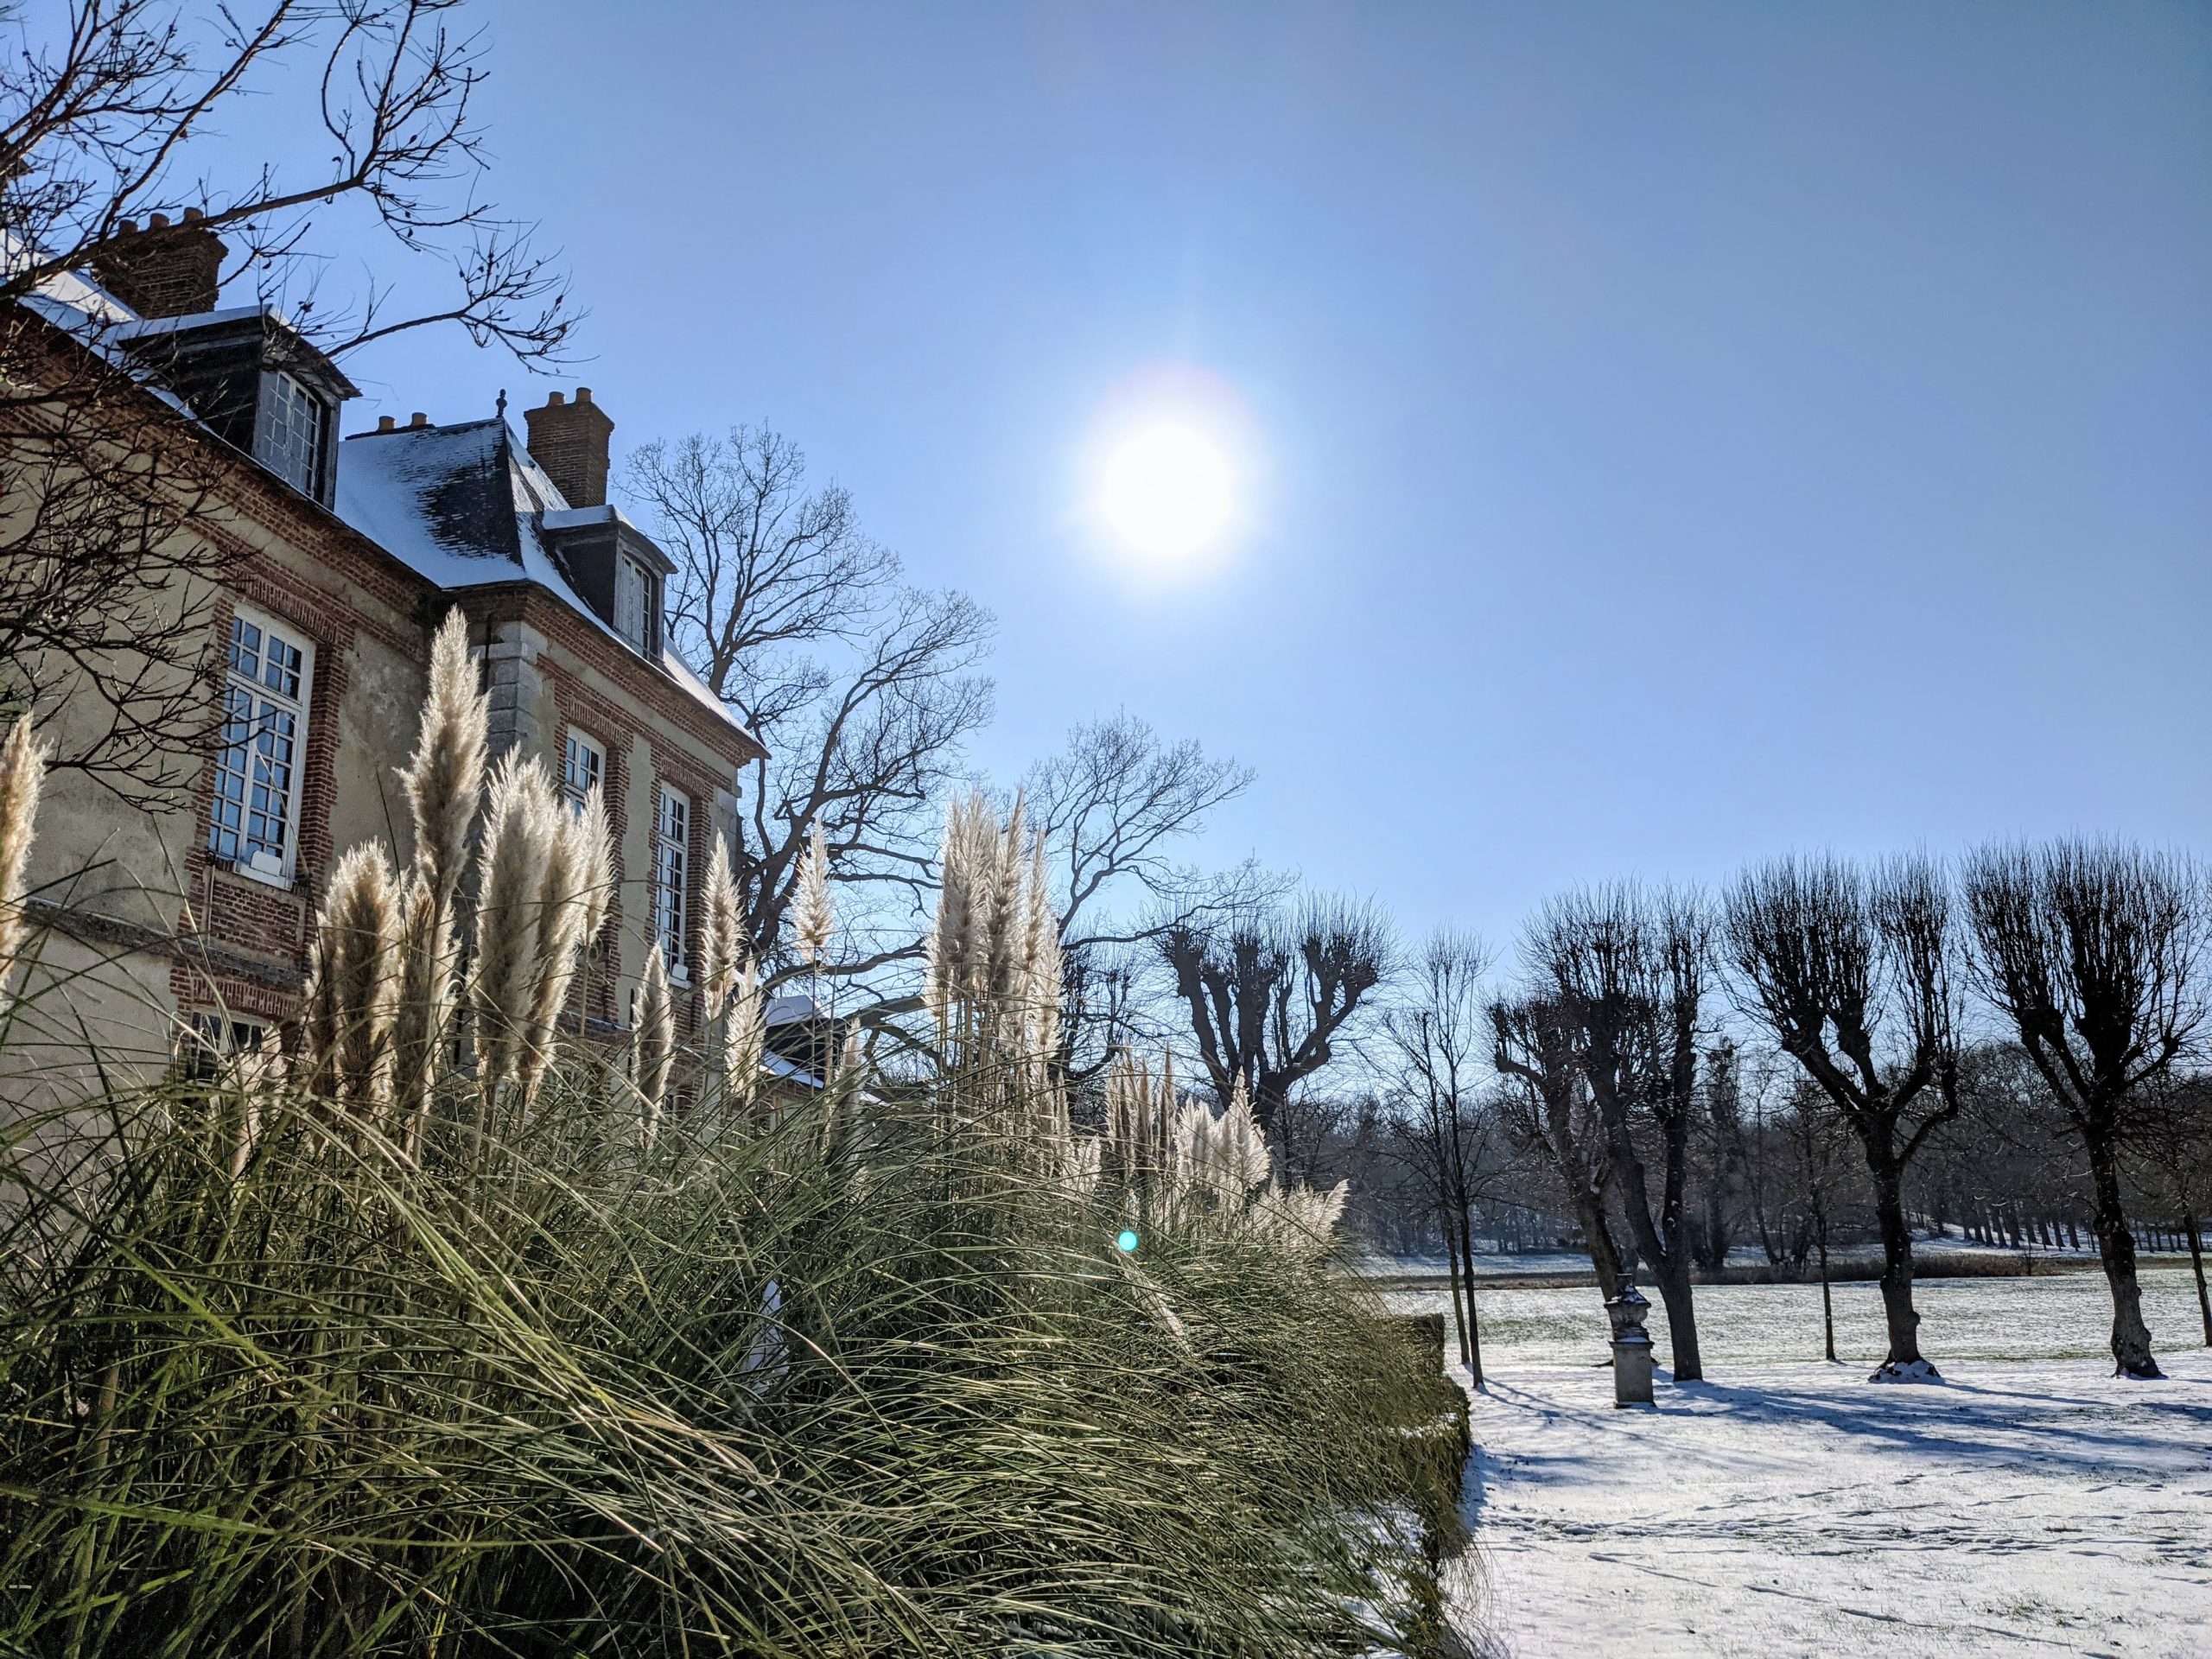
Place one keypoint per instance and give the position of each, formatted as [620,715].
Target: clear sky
[1669,433]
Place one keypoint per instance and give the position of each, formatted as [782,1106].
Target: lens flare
[1126,1240]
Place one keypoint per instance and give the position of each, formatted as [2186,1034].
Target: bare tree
[1552,1116]
[1818,1142]
[861,689]
[1112,808]
[1626,971]
[2173,1155]
[2094,954]
[110,113]
[1269,990]
[1854,974]
[1438,1036]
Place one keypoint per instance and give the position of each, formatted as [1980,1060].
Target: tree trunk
[1897,1266]
[1474,1327]
[1827,1302]
[1667,1251]
[2073,1235]
[1451,1279]
[2197,1261]
[2131,1338]
[1605,1257]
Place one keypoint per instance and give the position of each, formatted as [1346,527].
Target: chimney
[164,270]
[570,441]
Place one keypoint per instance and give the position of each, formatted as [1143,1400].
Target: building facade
[340,556]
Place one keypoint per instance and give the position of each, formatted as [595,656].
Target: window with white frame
[294,421]
[583,768]
[254,824]
[672,871]
[634,603]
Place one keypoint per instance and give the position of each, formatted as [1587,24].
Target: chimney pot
[385,424]
[191,213]
[158,222]
[418,418]
[570,441]
[129,227]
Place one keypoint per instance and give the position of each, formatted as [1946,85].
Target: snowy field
[2032,1504]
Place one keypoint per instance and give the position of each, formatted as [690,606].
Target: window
[209,1039]
[671,866]
[583,768]
[634,603]
[293,422]
[255,822]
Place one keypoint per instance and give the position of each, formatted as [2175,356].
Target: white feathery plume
[571,895]
[521,826]
[354,980]
[951,945]
[743,1037]
[1009,931]
[653,1043]
[22,770]
[721,945]
[814,916]
[444,780]
[444,783]
[1237,1161]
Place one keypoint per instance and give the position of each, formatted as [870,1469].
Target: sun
[1168,491]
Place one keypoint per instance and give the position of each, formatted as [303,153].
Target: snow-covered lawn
[2032,1504]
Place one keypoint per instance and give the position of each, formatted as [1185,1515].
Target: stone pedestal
[1631,1345]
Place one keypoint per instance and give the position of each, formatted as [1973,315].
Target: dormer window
[255,384]
[633,603]
[293,435]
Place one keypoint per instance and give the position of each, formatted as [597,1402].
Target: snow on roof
[463,506]
[787,1010]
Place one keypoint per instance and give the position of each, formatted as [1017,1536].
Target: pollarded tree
[1268,991]
[1551,1116]
[1853,973]
[1626,970]
[2094,953]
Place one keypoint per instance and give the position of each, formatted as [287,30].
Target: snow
[387,482]
[2030,1502]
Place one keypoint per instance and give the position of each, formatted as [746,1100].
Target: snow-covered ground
[2032,1504]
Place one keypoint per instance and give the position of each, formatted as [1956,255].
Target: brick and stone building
[342,556]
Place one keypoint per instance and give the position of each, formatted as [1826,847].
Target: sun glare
[1168,491]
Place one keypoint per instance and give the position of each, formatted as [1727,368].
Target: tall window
[255,822]
[671,866]
[583,768]
[293,425]
[634,603]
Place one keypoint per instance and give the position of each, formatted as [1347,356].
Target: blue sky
[1677,433]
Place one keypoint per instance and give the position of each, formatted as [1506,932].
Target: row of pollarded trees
[2088,957]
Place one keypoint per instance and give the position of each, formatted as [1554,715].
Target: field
[2032,1504]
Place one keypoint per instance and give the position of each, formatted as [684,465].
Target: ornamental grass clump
[292,1368]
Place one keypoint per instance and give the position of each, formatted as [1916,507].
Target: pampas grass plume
[22,770]
[653,1043]
[814,917]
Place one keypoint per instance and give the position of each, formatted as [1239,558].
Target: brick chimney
[164,270]
[570,441]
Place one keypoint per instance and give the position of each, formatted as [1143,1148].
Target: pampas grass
[22,770]
[814,913]
[851,1381]
[652,1052]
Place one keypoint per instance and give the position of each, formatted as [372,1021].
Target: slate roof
[464,506]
